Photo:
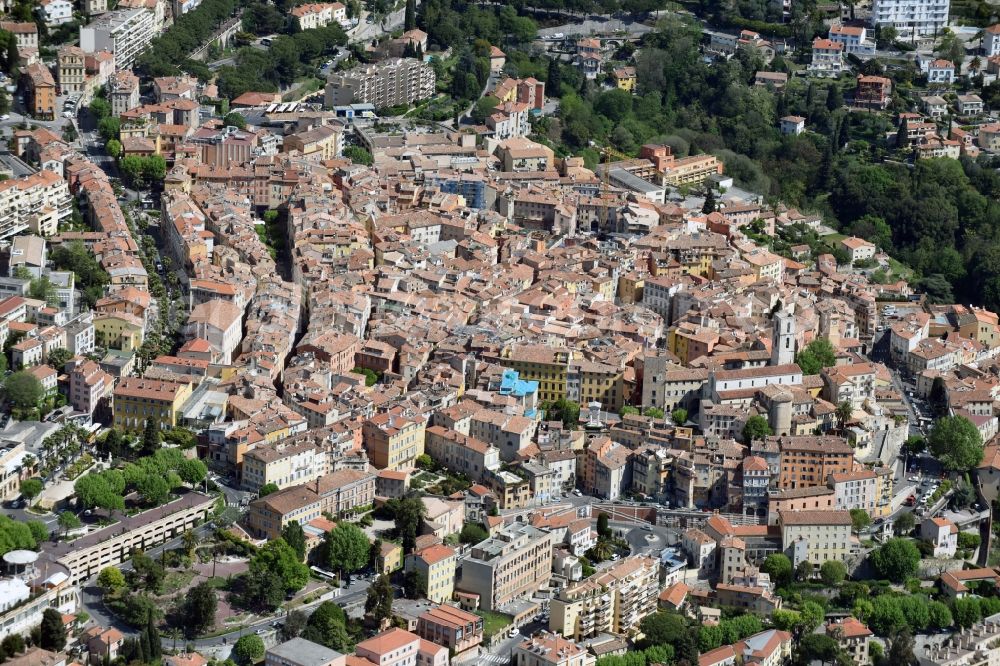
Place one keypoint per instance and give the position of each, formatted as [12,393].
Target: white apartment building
[388,83]
[37,202]
[827,58]
[908,17]
[942,533]
[125,33]
[320,14]
[816,536]
[55,12]
[855,490]
[854,38]
[991,41]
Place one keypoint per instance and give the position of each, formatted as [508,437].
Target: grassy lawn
[175,580]
[901,270]
[493,623]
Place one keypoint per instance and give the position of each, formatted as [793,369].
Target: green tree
[283,563]
[664,628]
[819,647]
[153,489]
[410,15]
[779,568]
[192,471]
[817,355]
[234,119]
[709,638]
[52,635]
[101,490]
[414,584]
[904,524]
[553,78]
[150,437]
[956,443]
[248,649]
[267,489]
[710,204]
[939,616]
[832,572]
[628,409]
[473,533]
[68,521]
[328,626]
[199,608]
[113,147]
[24,390]
[901,650]
[100,108]
[860,519]
[603,529]
[346,548]
[409,514]
[154,637]
[803,571]
[359,155]
[653,412]
[294,536]
[59,357]
[756,428]
[31,488]
[897,559]
[111,579]
[379,601]
[679,416]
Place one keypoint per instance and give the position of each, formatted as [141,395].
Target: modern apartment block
[612,601]
[511,565]
[909,17]
[388,83]
[125,33]
[37,203]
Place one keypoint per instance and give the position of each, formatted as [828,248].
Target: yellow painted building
[118,330]
[391,557]
[883,492]
[437,566]
[137,400]
[625,78]
[394,439]
[630,287]
[599,382]
[549,366]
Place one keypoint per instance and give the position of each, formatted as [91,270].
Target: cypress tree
[153,636]
[410,20]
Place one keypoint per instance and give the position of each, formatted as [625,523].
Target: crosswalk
[489,658]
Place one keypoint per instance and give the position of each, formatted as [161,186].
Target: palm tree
[602,551]
[843,413]
[975,65]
